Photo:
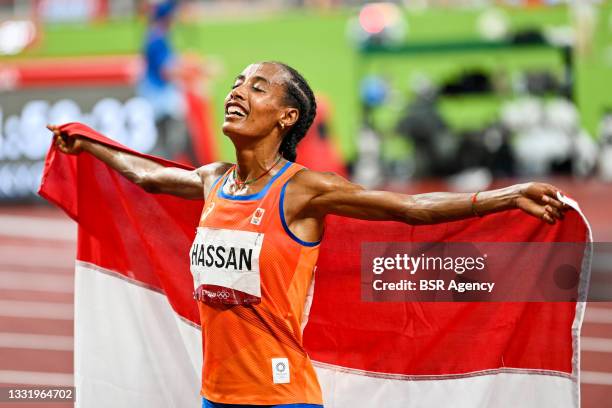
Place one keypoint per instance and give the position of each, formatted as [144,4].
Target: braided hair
[299,96]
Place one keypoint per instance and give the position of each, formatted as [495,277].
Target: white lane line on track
[597,344]
[36,341]
[36,378]
[598,315]
[38,282]
[36,256]
[37,310]
[37,227]
[596,378]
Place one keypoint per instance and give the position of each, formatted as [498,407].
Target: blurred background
[413,95]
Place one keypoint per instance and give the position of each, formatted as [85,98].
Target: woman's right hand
[66,144]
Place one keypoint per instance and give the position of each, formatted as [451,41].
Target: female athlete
[258,238]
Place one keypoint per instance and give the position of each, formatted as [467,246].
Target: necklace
[241,184]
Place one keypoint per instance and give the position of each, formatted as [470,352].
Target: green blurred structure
[317,45]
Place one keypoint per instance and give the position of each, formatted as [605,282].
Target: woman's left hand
[540,200]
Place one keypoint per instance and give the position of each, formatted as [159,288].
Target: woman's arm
[150,175]
[331,194]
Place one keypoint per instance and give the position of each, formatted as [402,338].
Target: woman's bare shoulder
[319,182]
[215,169]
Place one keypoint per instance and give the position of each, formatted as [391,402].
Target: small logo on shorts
[257,216]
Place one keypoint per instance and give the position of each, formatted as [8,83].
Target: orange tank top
[255,280]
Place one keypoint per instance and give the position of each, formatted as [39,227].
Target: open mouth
[235,110]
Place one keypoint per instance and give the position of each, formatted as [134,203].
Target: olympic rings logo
[223,295]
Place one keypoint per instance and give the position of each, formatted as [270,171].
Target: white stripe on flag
[131,349]
[342,389]
[129,365]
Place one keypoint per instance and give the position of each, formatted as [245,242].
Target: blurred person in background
[161,84]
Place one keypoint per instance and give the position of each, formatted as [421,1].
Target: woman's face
[255,105]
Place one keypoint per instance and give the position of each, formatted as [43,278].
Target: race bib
[225,266]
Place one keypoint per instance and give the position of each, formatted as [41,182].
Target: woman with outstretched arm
[258,238]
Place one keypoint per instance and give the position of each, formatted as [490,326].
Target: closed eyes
[254,87]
